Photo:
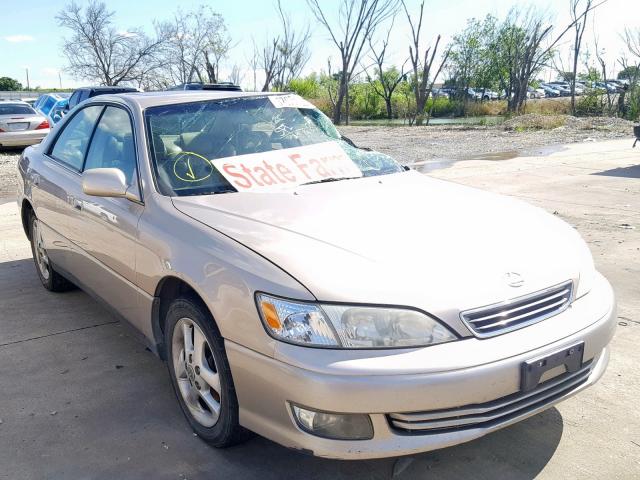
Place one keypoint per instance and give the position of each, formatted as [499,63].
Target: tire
[49,277]
[191,375]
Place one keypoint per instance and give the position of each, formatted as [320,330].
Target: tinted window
[112,144]
[48,104]
[72,142]
[16,109]
[74,100]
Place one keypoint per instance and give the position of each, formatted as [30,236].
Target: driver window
[112,145]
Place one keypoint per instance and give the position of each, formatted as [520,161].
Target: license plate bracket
[532,370]
[18,126]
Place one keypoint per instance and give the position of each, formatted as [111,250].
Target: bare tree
[579,24]
[284,56]
[387,81]
[97,51]
[254,62]
[526,38]
[422,65]
[293,49]
[216,50]
[198,42]
[603,69]
[236,76]
[356,21]
[269,61]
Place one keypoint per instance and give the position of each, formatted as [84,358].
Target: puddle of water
[439,163]
[495,155]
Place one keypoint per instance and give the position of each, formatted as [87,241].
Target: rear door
[56,181]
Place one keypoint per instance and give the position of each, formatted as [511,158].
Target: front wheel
[200,373]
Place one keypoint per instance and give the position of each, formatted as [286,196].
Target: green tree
[7,83]
[592,75]
[628,73]
[474,60]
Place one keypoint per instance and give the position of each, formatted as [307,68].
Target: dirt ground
[80,398]
[437,145]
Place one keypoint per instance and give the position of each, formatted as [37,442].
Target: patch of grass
[491,108]
[549,106]
[535,122]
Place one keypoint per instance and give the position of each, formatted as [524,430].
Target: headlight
[341,326]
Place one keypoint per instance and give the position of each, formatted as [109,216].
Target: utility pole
[60,80]
[28,86]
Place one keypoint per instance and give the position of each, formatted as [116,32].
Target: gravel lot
[439,146]
[8,160]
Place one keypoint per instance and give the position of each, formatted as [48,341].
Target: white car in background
[21,125]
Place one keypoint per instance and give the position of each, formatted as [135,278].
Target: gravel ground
[8,161]
[439,146]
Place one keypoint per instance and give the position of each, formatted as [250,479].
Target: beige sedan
[298,286]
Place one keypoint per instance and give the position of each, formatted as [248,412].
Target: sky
[31,39]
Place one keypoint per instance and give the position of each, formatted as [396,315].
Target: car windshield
[16,109]
[262,143]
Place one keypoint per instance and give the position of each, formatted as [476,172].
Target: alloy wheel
[196,372]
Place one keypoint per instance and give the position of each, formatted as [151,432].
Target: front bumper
[392,384]
[22,138]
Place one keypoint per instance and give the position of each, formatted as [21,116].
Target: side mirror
[106,182]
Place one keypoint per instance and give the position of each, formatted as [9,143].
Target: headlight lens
[349,326]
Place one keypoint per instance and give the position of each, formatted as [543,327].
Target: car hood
[400,239]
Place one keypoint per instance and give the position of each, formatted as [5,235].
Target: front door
[105,230]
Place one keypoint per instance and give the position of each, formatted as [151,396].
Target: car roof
[101,88]
[144,100]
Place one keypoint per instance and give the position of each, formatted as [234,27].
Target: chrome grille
[519,312]
[489,413]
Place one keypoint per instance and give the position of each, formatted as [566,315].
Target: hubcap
[42,260]
[196,372]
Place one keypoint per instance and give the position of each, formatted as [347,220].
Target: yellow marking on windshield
[183,169]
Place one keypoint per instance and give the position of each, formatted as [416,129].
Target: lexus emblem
[513,279]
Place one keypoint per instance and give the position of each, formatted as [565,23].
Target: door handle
[77,204]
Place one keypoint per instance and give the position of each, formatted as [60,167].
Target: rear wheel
[200,373]
[50,278]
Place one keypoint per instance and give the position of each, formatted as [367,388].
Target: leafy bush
[590,105]
[633,107]
[308,87]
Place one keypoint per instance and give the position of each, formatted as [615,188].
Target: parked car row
[50,108]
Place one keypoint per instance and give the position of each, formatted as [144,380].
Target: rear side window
[112,144]
[48,104]
[74,100]
[71,144]
[16,109]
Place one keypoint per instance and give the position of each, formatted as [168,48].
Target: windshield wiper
[351,142]
[191,193]
[329,179]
